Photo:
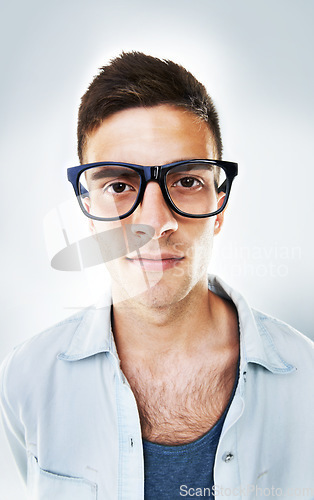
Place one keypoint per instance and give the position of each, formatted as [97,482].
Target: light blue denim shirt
[73,424]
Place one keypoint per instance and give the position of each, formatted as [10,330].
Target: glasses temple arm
[83,192]
[223,187]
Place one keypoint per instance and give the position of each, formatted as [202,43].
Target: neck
[199,320]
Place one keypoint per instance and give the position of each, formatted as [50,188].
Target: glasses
[109,191]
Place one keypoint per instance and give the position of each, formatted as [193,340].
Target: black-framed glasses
[109,191]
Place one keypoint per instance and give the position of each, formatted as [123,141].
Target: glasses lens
[109,191]
[193,187]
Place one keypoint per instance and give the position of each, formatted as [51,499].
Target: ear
[220,217]
[91,225]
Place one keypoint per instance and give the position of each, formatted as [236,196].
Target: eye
[188,182]
[118,187]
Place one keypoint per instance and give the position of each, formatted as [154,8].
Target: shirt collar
[256,342]
[94,335]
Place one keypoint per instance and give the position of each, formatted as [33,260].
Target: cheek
[98,226]
[200,242]
[202,232]
[206,241]
[110,239]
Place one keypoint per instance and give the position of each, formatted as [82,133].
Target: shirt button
[227,457]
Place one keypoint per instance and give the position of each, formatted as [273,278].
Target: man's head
[143,111]
[137,80]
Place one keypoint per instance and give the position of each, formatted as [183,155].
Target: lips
[157,256]
[155,262]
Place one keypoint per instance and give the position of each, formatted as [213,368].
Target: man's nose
[154,211]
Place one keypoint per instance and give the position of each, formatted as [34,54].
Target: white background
[255,58]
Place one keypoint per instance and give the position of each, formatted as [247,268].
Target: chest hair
[180,404]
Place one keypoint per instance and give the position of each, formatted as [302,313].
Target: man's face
[174,262]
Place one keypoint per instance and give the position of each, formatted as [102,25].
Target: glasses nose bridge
[152,174]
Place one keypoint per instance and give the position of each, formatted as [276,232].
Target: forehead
[150,136]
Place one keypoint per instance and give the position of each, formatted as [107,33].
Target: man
[177,389]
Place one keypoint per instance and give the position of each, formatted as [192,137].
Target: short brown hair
[134,79]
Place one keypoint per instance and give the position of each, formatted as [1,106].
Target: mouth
[155,263]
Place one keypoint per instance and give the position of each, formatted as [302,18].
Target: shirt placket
[131,462]
[226,470]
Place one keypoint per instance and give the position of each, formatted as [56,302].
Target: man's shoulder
[56,336]
[50,362]
[41,351]
[266,337]
[290,343]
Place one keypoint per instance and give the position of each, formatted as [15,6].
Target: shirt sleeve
[13,426]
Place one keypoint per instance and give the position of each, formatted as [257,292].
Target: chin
[156,293]
[155,290]
[159,297]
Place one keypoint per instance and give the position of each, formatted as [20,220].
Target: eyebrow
[189,167]
[112,172]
